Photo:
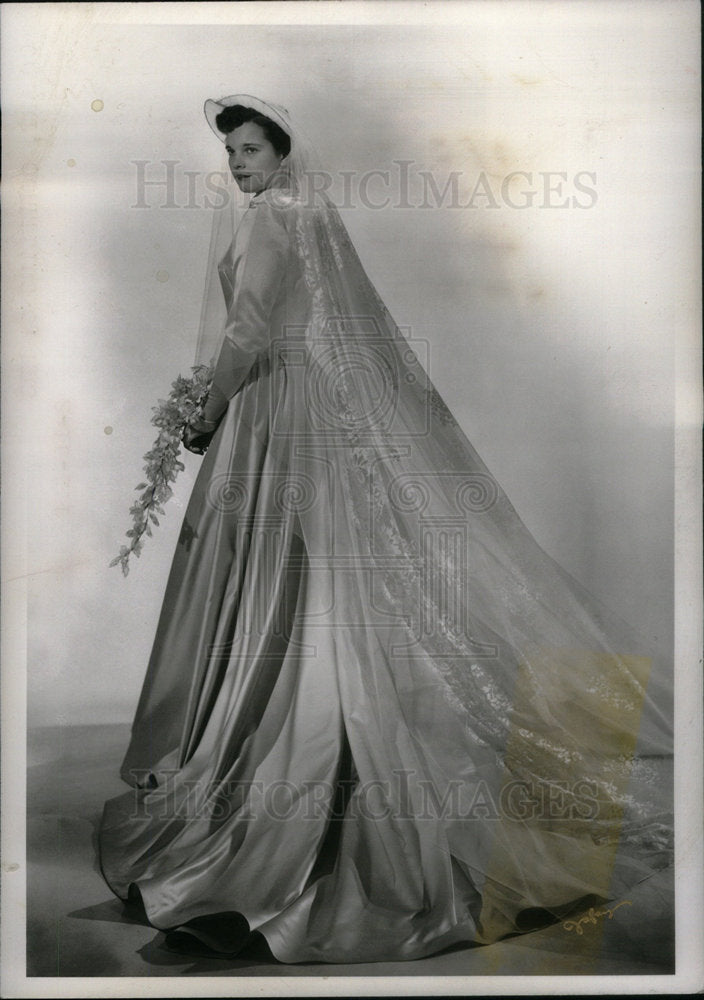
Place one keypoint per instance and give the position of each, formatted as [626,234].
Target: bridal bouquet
[162,462]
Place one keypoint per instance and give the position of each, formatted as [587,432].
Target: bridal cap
[276,112]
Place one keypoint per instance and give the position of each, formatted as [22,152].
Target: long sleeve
[257,285]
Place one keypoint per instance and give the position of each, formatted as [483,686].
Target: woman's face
[252,158]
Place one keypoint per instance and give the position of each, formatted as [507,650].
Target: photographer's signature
[590,917]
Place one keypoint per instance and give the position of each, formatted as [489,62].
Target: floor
[77,928]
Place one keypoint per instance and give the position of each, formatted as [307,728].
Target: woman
[378,719]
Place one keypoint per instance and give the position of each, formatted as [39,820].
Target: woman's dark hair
[237,114]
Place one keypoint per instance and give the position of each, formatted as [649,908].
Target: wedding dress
[378,718]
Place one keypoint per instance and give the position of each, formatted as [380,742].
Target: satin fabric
[356,783]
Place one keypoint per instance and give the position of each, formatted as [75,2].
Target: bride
[378,719]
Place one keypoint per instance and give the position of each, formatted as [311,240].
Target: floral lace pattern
[492,684]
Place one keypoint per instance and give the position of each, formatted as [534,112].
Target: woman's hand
[197,435]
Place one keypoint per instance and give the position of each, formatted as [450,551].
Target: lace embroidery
[438,407]
[411,580]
